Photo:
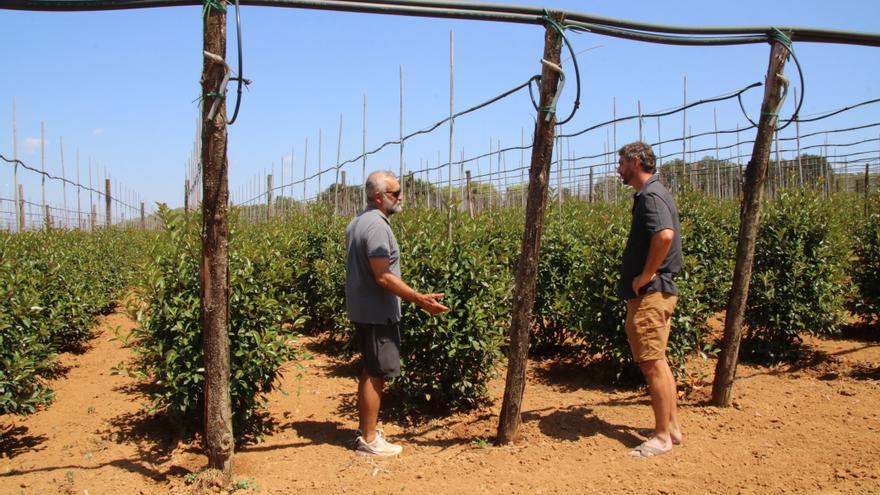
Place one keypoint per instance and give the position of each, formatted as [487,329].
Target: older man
[651,259]
[373,289]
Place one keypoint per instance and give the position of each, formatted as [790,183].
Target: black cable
[835,112]
[665,113]
[74,184]
[240,78]
[577,73]
[794,116]
[411,135]
[476,11]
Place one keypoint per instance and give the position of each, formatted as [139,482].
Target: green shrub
[169,340]
[52,284]
[866,265]
[449,359]
[799,277]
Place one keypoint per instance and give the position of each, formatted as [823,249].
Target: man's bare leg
[674,427]
[662,401]
[369,400]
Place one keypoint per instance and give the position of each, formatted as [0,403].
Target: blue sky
[119,86]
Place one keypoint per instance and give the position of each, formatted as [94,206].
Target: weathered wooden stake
[470,204]
[214,268]
[753,188]
[108,208]
[143,218]
[269,208]
[526,271]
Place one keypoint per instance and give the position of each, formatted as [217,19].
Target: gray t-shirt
[653,210]
[367,236]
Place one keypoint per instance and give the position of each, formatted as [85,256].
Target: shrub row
[52,284]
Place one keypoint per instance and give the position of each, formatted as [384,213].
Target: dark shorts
[380,348]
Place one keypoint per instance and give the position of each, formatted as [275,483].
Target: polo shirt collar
[654,178]
[378,212]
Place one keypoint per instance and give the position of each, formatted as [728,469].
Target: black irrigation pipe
[664,113]
[657,33]
[408,136]
[673,140]
[591,128]
[74,184]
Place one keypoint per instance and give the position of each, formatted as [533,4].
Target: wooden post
[338,150]
[867,188]
[214,268]
[19,208]
[43,175]
[79,222]
[756,174]
[186,198]
[344,196]
[21,218]
[400,175]
[108,208]
[470,204]
[63,176]
[364,155]
[143,218]
[526,271]
[269,207]
[591,184]
[451,128]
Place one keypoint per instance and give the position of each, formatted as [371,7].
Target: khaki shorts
[648,322]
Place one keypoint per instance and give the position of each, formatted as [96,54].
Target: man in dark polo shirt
[373,289]
[651,259]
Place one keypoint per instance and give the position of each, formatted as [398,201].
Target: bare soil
[811,427]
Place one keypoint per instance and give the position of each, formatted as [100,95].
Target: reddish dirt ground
[813,427]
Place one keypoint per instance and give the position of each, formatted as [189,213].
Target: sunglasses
[394,194]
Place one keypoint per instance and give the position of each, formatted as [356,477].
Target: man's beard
[392,207]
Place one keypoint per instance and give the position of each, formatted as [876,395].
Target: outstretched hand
[430,303]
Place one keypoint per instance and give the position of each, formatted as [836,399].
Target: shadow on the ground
[572,375]
[452,434]
[15,440]
[576,422]
[337,363]
[155,436]
[313,432]
[863,330]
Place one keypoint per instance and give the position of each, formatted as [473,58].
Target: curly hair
[642,151]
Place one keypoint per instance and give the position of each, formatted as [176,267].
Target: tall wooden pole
[78,204]
[364,157]
[186,198]
[108,205]
[269,208]
[526,271]
[753,189]
[336,180]
[143,218]
[20,208]
[16,190]
[214,268]
[400,175]
[451,129]
[63,175]
[43,175]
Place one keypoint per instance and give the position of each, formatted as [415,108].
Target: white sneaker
[379,446]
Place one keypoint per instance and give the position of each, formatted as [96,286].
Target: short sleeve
[377,243]
[657,215]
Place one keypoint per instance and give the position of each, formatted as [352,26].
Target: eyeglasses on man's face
[394,194]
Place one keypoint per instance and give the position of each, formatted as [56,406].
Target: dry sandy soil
[813,427]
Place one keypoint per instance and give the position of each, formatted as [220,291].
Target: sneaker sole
[375,454]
